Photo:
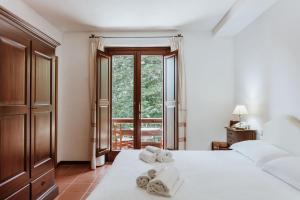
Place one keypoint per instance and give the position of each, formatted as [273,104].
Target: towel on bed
[153,149]
[143,180]
[154,172]
[147,156]
[166,183]
[164,156]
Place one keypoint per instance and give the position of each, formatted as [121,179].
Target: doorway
[142,100]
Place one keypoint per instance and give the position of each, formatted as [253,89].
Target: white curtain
[95,43]
[176,43]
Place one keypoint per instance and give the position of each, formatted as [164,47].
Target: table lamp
[240,110]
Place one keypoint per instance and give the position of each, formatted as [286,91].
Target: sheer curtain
[176,43]
[95,44]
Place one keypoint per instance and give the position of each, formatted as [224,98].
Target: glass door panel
[122,102]
[151,100]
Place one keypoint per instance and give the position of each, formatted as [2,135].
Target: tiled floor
[75,182]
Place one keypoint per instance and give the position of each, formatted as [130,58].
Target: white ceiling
[132,15]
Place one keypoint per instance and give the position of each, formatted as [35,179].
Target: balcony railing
[123,133]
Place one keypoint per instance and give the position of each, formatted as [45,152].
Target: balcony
[122,133]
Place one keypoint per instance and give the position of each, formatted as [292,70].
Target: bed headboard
[284,132]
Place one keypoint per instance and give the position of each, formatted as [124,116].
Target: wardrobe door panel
[14,110]
[42,79]
[42,136]
[42,109]
[12,78]
[13,134]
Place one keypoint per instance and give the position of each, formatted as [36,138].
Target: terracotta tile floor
[76,182]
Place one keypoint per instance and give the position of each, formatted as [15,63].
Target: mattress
[208,175]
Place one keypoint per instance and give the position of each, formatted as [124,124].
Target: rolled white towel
[143,180]
[153,149]
[166,183]
[164,156]
[154,172]
[147,156]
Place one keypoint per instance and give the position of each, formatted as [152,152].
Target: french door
[136,99]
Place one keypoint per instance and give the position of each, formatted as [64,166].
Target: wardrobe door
[14,110]
[42,109]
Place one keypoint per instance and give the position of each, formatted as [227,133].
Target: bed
[208,175]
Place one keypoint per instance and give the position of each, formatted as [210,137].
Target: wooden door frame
[137,52]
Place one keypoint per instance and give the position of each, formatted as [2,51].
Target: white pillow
[258,151]
[287,169]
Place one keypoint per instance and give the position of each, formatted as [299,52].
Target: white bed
[208,175]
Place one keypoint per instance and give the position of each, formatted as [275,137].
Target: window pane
[122,101]
[151,100]
[104,79]
[170,79]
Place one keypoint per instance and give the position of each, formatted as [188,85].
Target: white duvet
[208,175]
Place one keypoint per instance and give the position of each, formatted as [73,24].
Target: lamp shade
[240,110]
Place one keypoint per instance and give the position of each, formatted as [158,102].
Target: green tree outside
[151,86]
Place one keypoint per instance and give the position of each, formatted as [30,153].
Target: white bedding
[208,175]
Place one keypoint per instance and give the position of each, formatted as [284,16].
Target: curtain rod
[94,36]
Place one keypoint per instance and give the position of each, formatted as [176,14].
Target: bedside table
[215,146]
[238,135]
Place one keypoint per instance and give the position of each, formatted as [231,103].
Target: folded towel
[153,149]
[166,183]
[143,180]
[152,173]
[164,156]
[147,156]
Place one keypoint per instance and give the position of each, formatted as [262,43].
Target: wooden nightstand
[237,135]
[233,136]
[219,146]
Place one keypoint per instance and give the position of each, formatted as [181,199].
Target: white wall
[210,82]
[210,87]
[74,98]
[267,64]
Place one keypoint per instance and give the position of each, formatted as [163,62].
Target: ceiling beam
[242,14]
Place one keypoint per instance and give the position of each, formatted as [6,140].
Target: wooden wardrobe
[27,110]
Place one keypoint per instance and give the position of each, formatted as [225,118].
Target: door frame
[137,52]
